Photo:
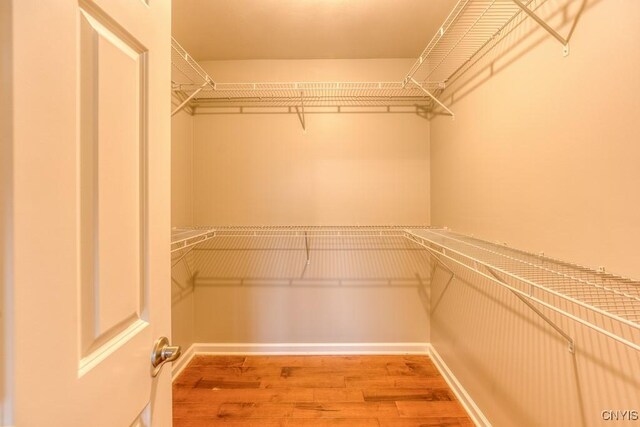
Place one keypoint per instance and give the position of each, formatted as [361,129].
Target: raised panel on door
[112,186]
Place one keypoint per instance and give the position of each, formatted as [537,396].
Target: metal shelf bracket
[189,98]
[306,245]
[432,96]
[567,337]
[543,24]
[301,116]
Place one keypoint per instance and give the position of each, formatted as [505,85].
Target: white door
[90,212]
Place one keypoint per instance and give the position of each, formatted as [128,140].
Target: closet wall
[349,168]
[544,155]
[345,169]
[182,313]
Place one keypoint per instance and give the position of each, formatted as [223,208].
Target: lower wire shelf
[603,302]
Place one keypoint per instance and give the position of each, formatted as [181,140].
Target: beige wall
[543,154]
[182,307]
[353,290]
[182,169]
[346,169]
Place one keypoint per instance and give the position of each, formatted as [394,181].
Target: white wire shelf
[601,301]
[186,238]
[311,94]
[314,93]
[592,298]
[470,27]
[469,30]
[194,87]
[183,238]
[187,71]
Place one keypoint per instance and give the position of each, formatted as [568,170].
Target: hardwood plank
[360,360]
[356,370]
[370,382]
[302,361]
[306,382]
[401,394]
[245,395]
[187,379]
[220,383]
[331,422]
[192,375]
[228,361]
[395,382]
[216,422]
[371,360]
[414,409]
[196,409]
[417,358]
[337,395]
[255,410]
[425,422]
[239,371]
[412,382]
[412,369]
[345,410]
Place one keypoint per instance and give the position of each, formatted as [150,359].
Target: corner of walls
[182,290]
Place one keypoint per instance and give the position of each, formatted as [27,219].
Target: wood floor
[266,391]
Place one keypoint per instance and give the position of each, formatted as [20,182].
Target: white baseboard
[310,348]
[178,366]
[465,399]
[281,349]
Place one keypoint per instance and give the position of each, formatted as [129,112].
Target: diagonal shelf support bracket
[301,116]
[432,96]
[533,308]
[306,246]
[543,24]
[189,98]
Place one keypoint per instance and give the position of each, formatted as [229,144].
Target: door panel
[91,186]
[112,81]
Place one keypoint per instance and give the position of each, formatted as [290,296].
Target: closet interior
[470,202]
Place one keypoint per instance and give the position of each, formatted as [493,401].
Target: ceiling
[306,29]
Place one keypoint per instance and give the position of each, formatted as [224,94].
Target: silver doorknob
[162,353]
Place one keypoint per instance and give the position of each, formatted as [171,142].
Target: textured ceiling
[306,29]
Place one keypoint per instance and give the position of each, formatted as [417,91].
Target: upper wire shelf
[193,86]
[473,27]
[469,30]
[188,71]
[316,93]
